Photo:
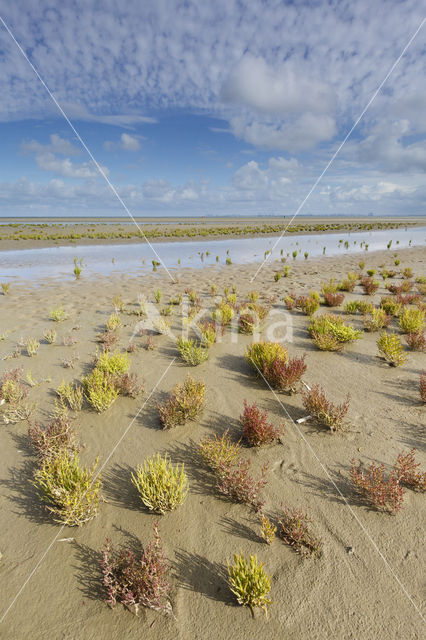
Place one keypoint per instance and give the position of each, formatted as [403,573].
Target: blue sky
[224,108]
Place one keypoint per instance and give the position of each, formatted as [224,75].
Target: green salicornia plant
[390,348]
[191,353]
[161,486]
[70,491]
[249,582]
[58,314]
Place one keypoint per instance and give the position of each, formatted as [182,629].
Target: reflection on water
[57,262]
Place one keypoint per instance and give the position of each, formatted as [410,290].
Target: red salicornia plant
[56,436]
[136,580]
[328,414]
[294,530]
[285,376]
[416,340]
[406,469]
[236,482]
[384,492]
[256,428]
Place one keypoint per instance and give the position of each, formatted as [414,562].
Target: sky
[213,108]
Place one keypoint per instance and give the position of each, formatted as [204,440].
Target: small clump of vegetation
[261,355]
[327,413]
[390,348]
[191,352]
[161,486]
[114,322]
[294,529]
[267,529]
[377,320]
[330,332]
[50,336]
[70,491]
[285,376]
[416,341]
[249,582]
[58,314]
[383,492]
[369,285]
[5,286]
[134,580]
[32,345]
[411,320]
[217,451]
[185,403]
[100,389]
[55,437]
[71,395]
[257,430]
[407,471]
[390,306]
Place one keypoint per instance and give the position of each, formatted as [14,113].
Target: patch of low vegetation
[185,403]
[327,413]
[257,430]
[330,332]
[58,314]
[161,486]
[71,492]
[136,580]
[294,528]
[58,435]
[191,352]
[384,492]
[390,348]
[249,582]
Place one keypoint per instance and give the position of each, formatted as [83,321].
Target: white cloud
[57,145]
[126,143]
[276,91]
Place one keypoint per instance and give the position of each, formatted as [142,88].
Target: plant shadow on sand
[239,529]
[119,490]
[202,480]
[24,494]
[321,487]
[195,573]
[238,370]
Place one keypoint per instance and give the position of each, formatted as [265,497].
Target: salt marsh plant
[50,336]
[100,389]
[5,287]
[260,310]
[71,395]
[333,299]
[236,482]
[249,582]
[223,314]
[253,296]
[411,320]
[58,314]
[422,386]
[327,413]
[117,303]
[158,294]
[136,581]
[416,341]
[257,430]
[128,384]
[248,322]
[390,306]
[161,486]
[114,322]
[71,492]
[383,492]
[191,352]
[277,276]
[330,332]
[369,285]
[219,451]
[294,529]
[262,354]
[407,273]
[208,332]
[377,320]
[407,470]
[390,348]
[228,260]
[58,435]
[185,403]
[114,363]
[267,529]
[162,326]
[285,376]
[32,346]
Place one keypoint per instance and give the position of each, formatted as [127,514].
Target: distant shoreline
[21,235]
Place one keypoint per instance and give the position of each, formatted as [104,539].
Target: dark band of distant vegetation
[57,233]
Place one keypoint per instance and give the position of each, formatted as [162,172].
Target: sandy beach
[368,581]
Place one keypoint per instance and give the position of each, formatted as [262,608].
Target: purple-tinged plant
[406,469]
[328,414]
[285,376]
[256,428]
[136,580]
[236,482]
[294,530]
[384,493]
[423,386]
[416,340]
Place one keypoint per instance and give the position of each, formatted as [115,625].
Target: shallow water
[107,259]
